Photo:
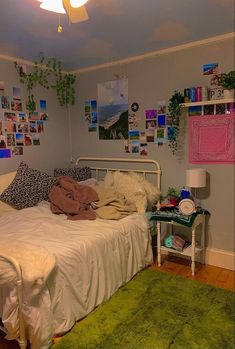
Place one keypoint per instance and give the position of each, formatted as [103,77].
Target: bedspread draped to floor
[93,259]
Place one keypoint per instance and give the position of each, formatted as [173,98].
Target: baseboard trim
[220,258]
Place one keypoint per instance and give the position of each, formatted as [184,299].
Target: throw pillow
[28,188]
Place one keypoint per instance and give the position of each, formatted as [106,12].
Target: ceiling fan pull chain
[59,28]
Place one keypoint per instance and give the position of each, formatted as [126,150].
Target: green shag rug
[158,311]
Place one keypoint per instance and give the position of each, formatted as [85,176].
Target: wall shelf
[211,102]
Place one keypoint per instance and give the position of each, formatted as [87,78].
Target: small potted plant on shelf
[173,196]
[227,81]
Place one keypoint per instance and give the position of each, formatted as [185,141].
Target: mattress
[93,259]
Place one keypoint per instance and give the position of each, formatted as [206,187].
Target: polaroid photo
[16,94]
[43,116]
[5,102]
[23,128]
[22,117]
[19,139]
[87,106]
[33,127]
[143,137]
[143,149]
[94,118]
[36,139]
[40,126]
[11,141]
[127,146]
[34,116]
[161,107]
[92,127]
[210,68]
[150,114]
[160,135]
[17,151]
[28,139]
[93,106]
[43,105]
[16,106]
[3,141]
[9,116]
[151,124]
[134,135]
[135,147]
[161,120]
[10,126]
[2,88]
[149,135]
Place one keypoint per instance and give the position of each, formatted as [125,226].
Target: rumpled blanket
[72,199]
[35,261]
[111,204]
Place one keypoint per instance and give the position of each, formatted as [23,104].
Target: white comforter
[93,259]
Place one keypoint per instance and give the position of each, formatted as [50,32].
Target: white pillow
[5,180]
[152,192]
[132,190]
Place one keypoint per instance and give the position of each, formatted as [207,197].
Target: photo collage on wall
[18,128]
[156,129]
[113,118]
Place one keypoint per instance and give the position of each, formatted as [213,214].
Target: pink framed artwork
[211,139]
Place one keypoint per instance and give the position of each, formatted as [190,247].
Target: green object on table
[176,216]
[158,311]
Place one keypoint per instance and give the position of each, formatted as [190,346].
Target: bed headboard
[144,166]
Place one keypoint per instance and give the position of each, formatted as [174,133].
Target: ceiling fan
[75,9]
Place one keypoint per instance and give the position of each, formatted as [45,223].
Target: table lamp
[196,178]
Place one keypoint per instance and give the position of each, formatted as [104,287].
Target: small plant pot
[174,201]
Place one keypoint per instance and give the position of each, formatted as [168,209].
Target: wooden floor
[207,274]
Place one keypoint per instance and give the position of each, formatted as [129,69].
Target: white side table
[193,224]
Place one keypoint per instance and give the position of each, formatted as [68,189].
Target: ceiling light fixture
[77,3]
[53,5]
[75,9]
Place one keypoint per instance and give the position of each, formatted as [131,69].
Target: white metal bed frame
[22,340]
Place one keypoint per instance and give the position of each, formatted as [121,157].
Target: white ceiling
[116,29]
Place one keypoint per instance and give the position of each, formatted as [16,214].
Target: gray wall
[155,79]
[54,149]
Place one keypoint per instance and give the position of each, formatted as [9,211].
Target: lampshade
[196,178]
[53,5]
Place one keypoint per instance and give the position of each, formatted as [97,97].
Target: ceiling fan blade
[75,14]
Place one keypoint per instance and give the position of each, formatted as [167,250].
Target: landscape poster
[113,109]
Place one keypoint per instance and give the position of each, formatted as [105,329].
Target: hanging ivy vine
[173,117]
[48,74]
